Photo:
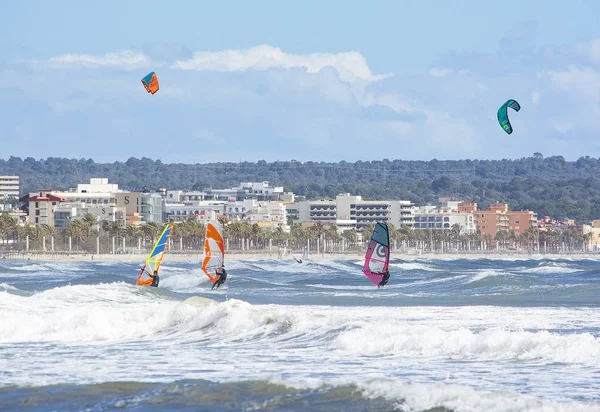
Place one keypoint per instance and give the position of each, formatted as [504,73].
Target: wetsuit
[151,281]
[384,280]
[221,280]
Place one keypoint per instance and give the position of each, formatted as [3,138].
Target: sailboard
[377,258]
[156,256]
[214,249]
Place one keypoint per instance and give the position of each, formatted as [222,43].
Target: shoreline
[266,255]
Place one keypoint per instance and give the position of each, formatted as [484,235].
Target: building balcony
[372,207]
[322,208]
[371,218]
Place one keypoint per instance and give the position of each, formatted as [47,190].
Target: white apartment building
[67,212]
[9,187]
[348,211]
[246,190]
[96,194]
[267,214]
[100,192]
[193,209]
[429,217]
[152,207]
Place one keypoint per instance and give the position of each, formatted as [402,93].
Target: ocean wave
[281,395]
[403,339]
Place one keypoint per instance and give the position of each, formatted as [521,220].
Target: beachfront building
[246,190]
[99,198]
[100,193]
[67,212]
[41,207]
[595,237]
[520,221]
[269,215]
[9,188]
[293,214]
[152,208]
[197,209]
[429,218]
[352,212]
[500,218]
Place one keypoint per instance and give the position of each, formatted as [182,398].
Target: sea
[443,335]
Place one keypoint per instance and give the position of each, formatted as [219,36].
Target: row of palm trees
[89,235]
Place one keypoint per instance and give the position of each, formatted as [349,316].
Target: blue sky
[310,80]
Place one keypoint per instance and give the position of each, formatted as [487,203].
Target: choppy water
[443,335]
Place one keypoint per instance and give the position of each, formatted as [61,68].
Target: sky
[311,80]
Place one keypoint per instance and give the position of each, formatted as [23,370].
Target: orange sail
[214,249]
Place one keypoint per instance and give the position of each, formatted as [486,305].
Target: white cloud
[562,126]
[350,65]
[583,82]
[589,50]
[535,97]
[440,72]
[125,59]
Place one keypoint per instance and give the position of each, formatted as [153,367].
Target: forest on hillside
[550,186]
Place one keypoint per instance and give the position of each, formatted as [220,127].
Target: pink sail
[377,258]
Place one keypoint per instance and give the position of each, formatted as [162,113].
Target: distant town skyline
[312,81]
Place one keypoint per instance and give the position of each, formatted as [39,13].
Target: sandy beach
[65,256]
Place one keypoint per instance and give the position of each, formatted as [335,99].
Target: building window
[516,221]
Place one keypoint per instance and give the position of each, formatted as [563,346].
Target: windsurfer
[222,274]
[384,280]
[151,281]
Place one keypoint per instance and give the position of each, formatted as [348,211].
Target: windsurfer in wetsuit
[222,274]
[384,280]
[156,279]
[152,281]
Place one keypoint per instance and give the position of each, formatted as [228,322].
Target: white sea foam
[486,273]
[415,266]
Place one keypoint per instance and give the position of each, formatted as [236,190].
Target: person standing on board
[222,274]
[151,281]
[384,280]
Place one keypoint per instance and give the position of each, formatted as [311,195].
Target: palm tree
[351,237]
[151,230]
[455,234]
[9,226]
[91,223]
[77,230]
[298,236]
